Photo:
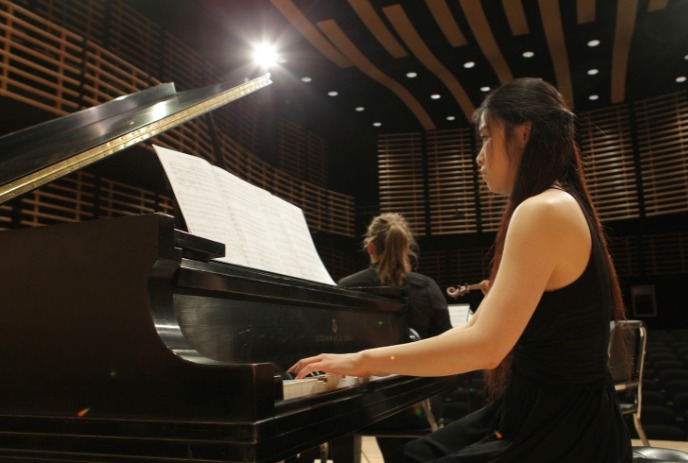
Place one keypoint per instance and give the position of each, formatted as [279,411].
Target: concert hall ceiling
[426,64]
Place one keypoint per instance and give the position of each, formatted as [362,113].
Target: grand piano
[123,341]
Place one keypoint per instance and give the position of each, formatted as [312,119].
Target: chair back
[627,371]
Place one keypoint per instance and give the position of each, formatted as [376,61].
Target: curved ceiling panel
[337,36]
[554,32]
[303,25]
[367,13]
[516,16]
[414,42]
[625,22]
[483,34]
[445,20]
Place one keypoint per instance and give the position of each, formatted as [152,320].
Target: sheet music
[201,201]
[283,242]
[253,227]
[293,223]
[459,314]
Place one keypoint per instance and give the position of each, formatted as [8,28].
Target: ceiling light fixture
[681,79]
[469,64]
[306,79]
[528,54]
[484,89]
[411,75]
[265,55]
[333,93]
[435,96]
[450,118]
[360,108]
[377,124]
[592,72]
[685,57]
[593,43]
[594,97]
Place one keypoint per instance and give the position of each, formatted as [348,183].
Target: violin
[460,290]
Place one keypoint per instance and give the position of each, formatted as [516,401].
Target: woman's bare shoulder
[551,208]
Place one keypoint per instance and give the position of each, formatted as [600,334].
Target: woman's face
[493,161]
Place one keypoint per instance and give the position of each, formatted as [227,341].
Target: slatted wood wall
[434,265]
[662,125]
[301,153]
[63,66]
[339,264]
[77,197]
[451,182]
[402,185]
[624,252]
[607,146]
[666,253]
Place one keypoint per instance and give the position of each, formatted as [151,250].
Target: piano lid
[32,157]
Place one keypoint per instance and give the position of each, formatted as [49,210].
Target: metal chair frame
[633,385]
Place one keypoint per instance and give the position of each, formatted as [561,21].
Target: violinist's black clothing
[429,314]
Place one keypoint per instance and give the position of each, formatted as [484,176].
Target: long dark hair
[393,244]
[550,155]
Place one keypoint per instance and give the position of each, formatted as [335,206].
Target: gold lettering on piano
[334,325]
[334,338]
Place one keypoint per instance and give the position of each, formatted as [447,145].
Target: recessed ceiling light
[593,43]
[685,57]
[450,118]
[681,79]
[411,75]
[306,79]
[528,54]
[377,124]
[333,93]
[469,64]
[592,72]
[360,108]
[484,89]
[594,97]
[435,96]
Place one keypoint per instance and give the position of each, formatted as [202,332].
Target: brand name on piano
[334,337]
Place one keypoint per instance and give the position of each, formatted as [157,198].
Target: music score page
[259,230]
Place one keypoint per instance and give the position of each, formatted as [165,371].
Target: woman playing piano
[542,331]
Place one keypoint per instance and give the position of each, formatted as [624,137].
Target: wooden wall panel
[491,209]
[301,153]
[86,18]
[339,264]
[666,253]
[662,125]
[470,265]
[451,181]
[624,252]
[607,146]
[133,36]
[434,265]
[400,170]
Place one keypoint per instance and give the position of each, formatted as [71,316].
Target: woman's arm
[537,233]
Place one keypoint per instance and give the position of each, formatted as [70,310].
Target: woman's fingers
[296,368]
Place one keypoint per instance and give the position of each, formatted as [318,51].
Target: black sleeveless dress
[559,405]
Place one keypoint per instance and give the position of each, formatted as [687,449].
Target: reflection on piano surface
[123,341]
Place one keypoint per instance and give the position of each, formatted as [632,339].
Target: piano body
[124,342]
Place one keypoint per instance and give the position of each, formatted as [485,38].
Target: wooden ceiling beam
[516,16]
[370,18]
[475,15]
[333,32]
[440,10]
[415,43]
[586,11]
[626,12]
[303,25]
[554,32]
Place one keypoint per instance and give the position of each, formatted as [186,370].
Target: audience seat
[680,403]
[675,386]
[659,366]
[653,398]
[658,414]
[663,432]
[669,375]
[657,356]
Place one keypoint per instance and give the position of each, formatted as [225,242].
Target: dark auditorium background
[370,111]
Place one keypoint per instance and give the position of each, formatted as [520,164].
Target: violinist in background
[390,243]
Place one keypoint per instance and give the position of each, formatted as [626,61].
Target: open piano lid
[43,153]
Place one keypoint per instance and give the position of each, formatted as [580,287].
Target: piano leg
[346,449]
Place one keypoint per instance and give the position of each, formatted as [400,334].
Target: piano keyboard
[294,388]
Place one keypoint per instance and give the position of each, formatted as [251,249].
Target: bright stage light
[265,55]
